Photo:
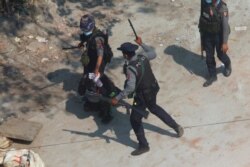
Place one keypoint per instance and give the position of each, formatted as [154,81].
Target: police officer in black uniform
[214,29]
[94,60]
[141,80]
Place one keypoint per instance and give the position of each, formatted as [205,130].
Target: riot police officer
[214,29]
[141,81]
[97,53]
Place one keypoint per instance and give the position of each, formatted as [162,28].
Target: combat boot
[210,81]
[228,70]
[179,130]
[140,150]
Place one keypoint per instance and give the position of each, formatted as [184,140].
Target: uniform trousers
[142,101]
[211,43]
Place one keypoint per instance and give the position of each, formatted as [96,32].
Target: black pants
[148,100]
[211,43]
[106,90]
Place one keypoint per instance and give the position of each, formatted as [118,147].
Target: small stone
[41,39]
[30,36]
[44,59]
[17,39]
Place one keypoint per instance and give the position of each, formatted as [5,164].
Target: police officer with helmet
[215,30]
[94,60]
[142,82]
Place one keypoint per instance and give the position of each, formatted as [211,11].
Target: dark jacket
[92,51]
[216,23]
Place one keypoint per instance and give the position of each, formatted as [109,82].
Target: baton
[72,47]
[132,28]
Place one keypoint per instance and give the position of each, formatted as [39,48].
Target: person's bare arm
[100,52]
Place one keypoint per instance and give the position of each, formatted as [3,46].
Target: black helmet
[87,23]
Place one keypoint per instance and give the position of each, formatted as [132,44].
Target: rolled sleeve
[99,46]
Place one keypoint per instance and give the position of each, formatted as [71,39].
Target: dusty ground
[39,82]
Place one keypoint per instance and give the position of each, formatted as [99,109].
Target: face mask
[208,1]
[87,33]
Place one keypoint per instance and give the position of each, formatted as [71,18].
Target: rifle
[132,28]
[97,97]
[72,47]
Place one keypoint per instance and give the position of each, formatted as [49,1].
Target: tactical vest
[92,50]
[145,79]
[210,23]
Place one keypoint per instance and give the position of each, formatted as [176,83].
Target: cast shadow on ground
[116,62]
[148,7]
[191,61]
[15,88]
[69,79]
[119,126]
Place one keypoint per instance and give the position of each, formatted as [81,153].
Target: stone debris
[41,39]
[45,59]
[17,39]
[240,28]
[30,36]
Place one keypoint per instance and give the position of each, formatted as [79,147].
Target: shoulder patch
[225,14]
[99,42]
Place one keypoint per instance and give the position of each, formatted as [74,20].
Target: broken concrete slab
[20,129]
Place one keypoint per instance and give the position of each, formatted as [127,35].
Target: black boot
[140,150]
[179,130]
[210,81]
[228,70]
